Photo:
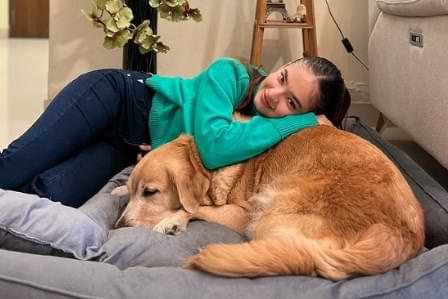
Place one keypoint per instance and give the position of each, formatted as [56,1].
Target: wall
[352,16]
[4,15]
[75,45]
[3,61]
[226,29]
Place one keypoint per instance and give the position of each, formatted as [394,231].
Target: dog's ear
[191,178]
[120,191]
[186,192]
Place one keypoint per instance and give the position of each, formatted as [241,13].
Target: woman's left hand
[323,120]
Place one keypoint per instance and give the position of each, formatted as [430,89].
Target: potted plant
[132,24]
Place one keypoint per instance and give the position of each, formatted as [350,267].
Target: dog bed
[53,251]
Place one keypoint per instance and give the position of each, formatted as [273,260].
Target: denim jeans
[89,132]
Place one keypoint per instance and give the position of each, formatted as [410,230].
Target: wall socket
[416,39]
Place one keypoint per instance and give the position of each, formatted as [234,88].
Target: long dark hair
[255,75]
[332,97]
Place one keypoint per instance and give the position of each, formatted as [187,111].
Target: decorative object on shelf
[302,19]
[300,14]
[117,19]
[277,6]
[280,7]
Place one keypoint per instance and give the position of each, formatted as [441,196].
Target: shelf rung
[280,24]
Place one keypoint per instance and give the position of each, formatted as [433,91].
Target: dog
[323,202]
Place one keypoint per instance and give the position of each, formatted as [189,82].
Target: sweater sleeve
[222,141]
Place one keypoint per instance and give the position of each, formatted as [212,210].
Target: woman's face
[289,90]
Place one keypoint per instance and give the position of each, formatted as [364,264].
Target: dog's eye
[147,192]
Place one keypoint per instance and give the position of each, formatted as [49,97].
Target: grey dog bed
[53,251]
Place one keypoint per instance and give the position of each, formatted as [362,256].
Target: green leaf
[143,25]
[178,14]
[108,43]
[109,33]
[173,3]
[94,18]
[124,17]
[121,38]
[154,3]
[114,6]
[161,48]
[111,25]
[195,14]
[145,38]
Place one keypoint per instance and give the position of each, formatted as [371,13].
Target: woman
[97,124]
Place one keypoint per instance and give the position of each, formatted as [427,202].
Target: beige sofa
[408,62]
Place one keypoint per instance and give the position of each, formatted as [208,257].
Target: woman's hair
[332,97]
[255,78]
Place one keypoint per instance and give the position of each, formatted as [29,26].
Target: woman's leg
[78,116]
[75,180]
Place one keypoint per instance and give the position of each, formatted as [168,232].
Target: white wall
[352,16]
[226,30]
[75,45]
[4,15]
[3,61]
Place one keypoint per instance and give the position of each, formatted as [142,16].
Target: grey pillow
[32,224]
[38,225]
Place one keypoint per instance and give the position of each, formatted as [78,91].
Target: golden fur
[322,202]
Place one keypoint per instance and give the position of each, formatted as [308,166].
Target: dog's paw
[170,226]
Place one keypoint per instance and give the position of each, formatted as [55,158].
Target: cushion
[38,225]
[28,219]
[414,8]
[22,276]
[32,224]
[137,263]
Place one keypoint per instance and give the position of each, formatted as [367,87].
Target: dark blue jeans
[89,132]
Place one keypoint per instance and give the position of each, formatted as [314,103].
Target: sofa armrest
[414,8]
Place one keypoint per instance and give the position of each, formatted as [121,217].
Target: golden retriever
[322,202]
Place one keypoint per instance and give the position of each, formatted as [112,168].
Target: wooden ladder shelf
[308,30]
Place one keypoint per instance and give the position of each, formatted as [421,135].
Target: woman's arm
[222,141]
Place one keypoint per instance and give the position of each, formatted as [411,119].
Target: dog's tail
[375,251]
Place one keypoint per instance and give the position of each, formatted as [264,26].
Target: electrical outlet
[416,39]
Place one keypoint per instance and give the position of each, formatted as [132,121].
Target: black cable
[334,20]
[360,61]
[345,41]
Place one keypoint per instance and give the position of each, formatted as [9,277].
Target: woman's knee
[75,180]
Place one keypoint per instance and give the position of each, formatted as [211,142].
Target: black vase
[132,59]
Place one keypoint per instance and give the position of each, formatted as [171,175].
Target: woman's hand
[323,120]
[145,148]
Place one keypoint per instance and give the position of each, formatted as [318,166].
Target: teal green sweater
[202,106]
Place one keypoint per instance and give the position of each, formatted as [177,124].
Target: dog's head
[167,179]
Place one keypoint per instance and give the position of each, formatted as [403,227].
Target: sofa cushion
[37,225]
[414,8]
[22,276]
